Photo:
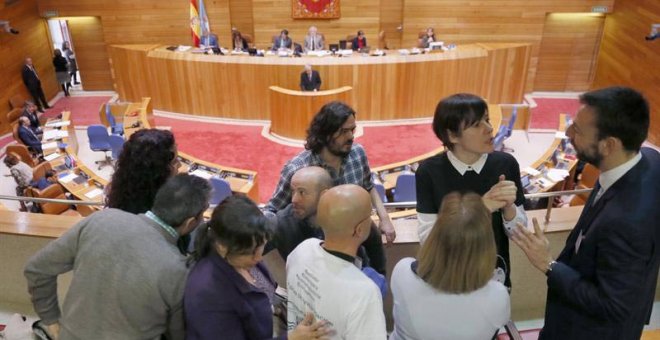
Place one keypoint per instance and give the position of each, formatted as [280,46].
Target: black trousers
[373,247]
[38,95]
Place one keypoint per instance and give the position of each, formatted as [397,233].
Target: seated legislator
[323,277]
[128,274]
[427,38]
[310,80]
[209,39]
[27,136]
[448,291]
[229,292]
[471,164]
[238,43]
[359,42]
[50,178]
[22,174]
[282,41]
[313,40]
[30,111]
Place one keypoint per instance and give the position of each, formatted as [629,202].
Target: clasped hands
[501,195]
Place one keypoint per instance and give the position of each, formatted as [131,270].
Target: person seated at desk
[359,42]
[313,40]
[209,39]
[437,293]
[30,111]
[22,174]
[427,38]
[310,80]
[50,178]
[238,43]
[27,136]
[282,42]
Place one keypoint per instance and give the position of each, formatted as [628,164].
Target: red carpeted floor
[546,114]
[243,146]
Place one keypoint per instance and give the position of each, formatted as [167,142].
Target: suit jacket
[606,289]
[35,125]
[29,138]
[307,84]
[30,79]
[278,41]
[319,44]
[354,44]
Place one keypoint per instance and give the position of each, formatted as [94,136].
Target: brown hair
[11,159]
[459,255]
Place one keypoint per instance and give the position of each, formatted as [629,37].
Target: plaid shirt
[354,170]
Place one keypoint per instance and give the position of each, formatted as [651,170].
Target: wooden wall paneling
[145,21]
[91,53]
[568,51]
[240,12]
[625,58]
[391,17]
[457,21]
[133,79]
[32,41]
[271,16]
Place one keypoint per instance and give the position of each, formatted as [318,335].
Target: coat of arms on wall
[315,9]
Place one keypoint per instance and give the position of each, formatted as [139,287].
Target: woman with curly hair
[147,160]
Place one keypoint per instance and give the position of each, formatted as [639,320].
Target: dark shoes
[13,31]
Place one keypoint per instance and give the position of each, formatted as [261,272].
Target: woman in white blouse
[447,292]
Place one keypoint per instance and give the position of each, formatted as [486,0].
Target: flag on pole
[194,23]
[203,19]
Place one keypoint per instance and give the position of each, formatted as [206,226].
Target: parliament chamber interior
[228,83]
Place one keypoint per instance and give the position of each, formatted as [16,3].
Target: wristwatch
[550,265]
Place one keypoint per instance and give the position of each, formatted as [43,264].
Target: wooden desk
[384,88]
[292,111]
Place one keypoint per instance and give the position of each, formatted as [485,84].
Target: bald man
[323,276]
[297,222]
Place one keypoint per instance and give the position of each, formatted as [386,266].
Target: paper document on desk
[557,174]
[560,134]
[531,171]
[94,193]
[55,134]
[201,173]
[51,145]
[68,178]
[52,156]
[59,123]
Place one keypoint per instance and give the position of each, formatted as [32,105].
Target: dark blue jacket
[220,304]
[606,290]
[29,138]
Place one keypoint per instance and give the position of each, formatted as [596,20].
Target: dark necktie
[313,44]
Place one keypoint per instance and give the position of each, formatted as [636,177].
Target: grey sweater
[128,279]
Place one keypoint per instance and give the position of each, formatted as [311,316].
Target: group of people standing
[133,277]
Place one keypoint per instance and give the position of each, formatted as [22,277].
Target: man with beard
[602,285]
[330,145]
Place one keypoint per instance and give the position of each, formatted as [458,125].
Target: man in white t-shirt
[322,276]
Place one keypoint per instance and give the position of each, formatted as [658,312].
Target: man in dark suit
[33,84]
[602,285]
[282,41]
[27,136]
[310,79]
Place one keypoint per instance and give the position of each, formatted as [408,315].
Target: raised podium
[291,111]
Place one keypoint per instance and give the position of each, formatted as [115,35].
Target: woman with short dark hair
[230,292]
[62,71]
[448,291]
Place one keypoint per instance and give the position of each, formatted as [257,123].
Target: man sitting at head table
[310,80]
[359,41]
[282,41]
[428,38]
[322,276]
[313,40]
[134,291]
[209,39]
